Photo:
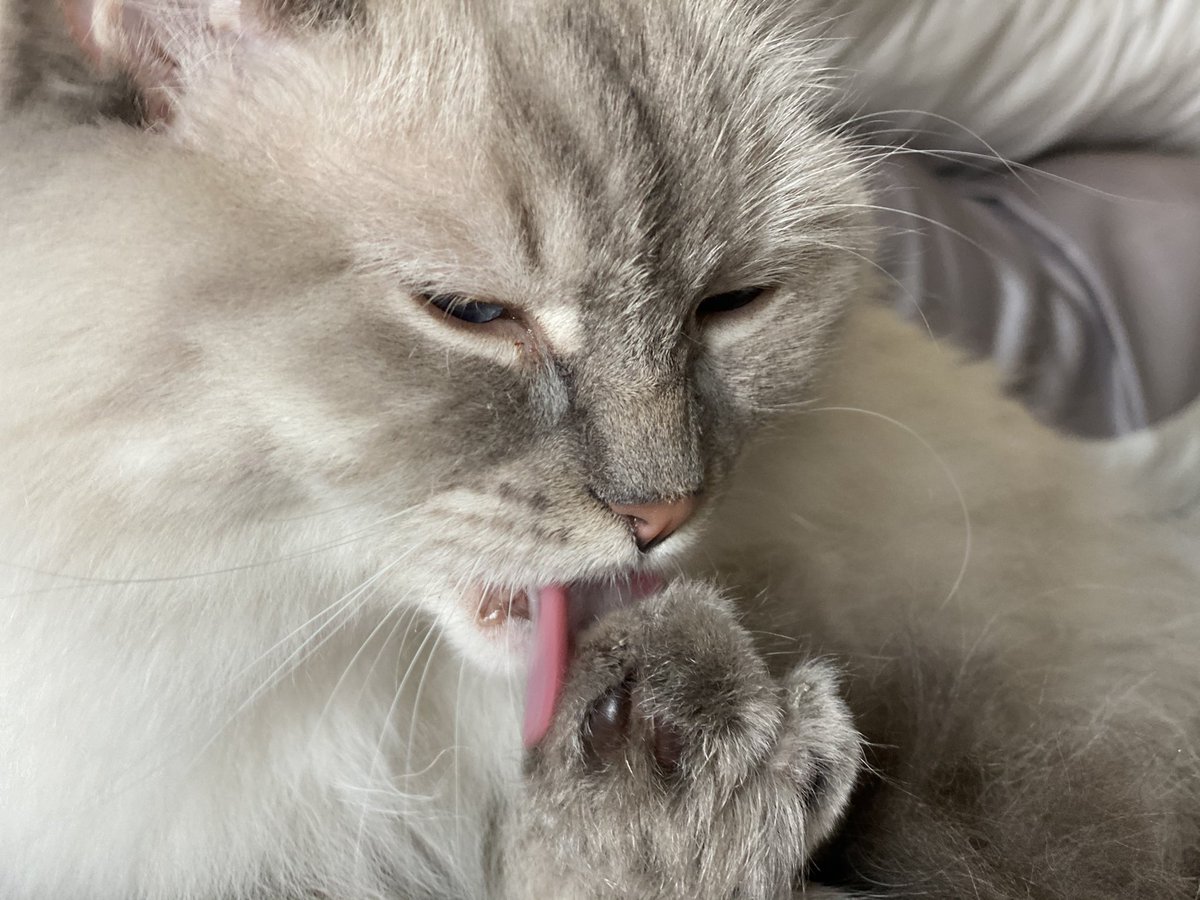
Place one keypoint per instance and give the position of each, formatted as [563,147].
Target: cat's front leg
[677,767]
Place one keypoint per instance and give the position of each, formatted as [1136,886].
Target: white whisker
[946,470]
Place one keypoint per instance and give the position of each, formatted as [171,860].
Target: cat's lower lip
[497,606]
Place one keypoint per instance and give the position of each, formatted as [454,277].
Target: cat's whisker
[347,605]
[350,603]
[388,722]
[774,634]
[462,667]
[946,470]
[92,580]
[328,614]
[457,713]
[962,128]
[927,220]
[318,513]
[414,615]
[395,637]
[366,642]
[568,188]
[958,155]
[294,660]
[873,155]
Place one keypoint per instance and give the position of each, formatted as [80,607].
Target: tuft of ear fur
[149,41]
[154,42]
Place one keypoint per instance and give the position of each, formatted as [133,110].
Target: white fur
[273,688]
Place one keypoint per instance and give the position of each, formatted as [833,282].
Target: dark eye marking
[728,301]
[473,312]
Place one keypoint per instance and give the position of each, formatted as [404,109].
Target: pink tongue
[548,668]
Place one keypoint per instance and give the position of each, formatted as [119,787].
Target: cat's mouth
[558,612]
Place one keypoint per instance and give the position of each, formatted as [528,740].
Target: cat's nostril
[653,523]
[638,527]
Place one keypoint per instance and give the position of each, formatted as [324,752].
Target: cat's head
[526,275]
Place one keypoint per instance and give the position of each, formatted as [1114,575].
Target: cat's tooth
[492,611]
[518,607]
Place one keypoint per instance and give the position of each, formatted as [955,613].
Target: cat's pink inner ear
[79,24]
[128,36]
[143,38]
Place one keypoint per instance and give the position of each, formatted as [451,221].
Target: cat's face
[525,262]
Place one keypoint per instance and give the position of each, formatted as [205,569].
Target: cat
[395,325]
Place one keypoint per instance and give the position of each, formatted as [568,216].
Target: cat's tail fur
[1036,731]
[991,786]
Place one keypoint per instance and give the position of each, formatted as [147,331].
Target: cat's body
[1027,666]
[249,480]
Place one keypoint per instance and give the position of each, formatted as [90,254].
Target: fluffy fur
[251,479]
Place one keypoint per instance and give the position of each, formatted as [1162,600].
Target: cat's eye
[728,301]
[473,312]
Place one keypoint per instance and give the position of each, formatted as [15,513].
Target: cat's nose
[653,523]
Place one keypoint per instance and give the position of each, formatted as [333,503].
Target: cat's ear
[149,41]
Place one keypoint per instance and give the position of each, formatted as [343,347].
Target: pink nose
[653,523]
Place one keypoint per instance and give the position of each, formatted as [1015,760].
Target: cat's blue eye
[473,312]
[728,301]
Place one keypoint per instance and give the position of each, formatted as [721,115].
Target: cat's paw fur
[677,767]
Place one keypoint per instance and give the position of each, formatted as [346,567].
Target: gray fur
[225,406]
[761,760]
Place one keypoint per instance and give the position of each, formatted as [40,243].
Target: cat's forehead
[628,141]
[575,155]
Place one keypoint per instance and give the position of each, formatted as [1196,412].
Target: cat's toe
[618,724]
[819,752]
[605,731]
[658,690]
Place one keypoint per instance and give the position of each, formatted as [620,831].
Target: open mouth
[559,612]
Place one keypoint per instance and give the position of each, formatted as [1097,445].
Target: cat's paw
[677,767]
